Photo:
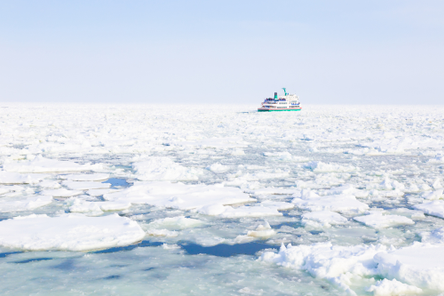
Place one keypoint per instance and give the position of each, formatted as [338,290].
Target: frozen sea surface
[220,200]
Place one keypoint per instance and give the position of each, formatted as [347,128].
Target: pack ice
[221,200]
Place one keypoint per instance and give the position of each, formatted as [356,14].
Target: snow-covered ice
[163,168]
[323,219]
[16,178]
[420,265]
[11,204]
[41,164]
[179,195]
[387,287]
[68,232]
[221,200]
[377,219]
[335,203]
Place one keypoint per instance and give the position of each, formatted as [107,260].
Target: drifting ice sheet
[179,196]
[11,204]
[421,265]
[323,219]
[15,178]
[87,177]
[46,165]
[378,220]
[338,264]
[257,210]
[393,287]
[74,185]
[62,192]
[433,208]
[97,208]
[71,232]
[320,167]
[335,203]
[164,169]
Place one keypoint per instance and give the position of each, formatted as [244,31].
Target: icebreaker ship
[288,102]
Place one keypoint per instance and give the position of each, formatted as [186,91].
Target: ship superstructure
[288,102]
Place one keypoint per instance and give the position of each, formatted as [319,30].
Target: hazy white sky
[346,52]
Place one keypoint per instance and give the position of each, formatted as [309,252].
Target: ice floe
[62,192]
[71,232]
[338,264]
[74,185]
[179,195]
[432,195]
[420,265]
[86,177]
[218,168]
[433,208]
[335,203]
[323,219]
[393,287]
[263,231]
[435,236]
[16,204]
[45,165]
[256,210]
[377,219]
[96,208]
[321,167]
[169,227]
[163,168]
[16,178]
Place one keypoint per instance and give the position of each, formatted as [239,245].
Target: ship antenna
[285,92]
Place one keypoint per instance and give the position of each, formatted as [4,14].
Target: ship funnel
[275,95]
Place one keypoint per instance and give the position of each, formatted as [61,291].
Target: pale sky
[327,52]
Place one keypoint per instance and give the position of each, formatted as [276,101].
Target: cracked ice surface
[332,200]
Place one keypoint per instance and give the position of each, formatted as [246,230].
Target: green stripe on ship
[278,110]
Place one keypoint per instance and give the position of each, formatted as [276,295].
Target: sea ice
[420,265]
[45,165]
[433,208]
[273,191]
[74,185]
[435,236]
[163,169]
[96,208]
[432,195]
[170,227]
[322,219]
[321,167]
[263,231]
[70,232]
[393,288]
[335,203]
[338,264]
[99,192]
[222,143]
[218,168]
[87,177]
[14,204]
[62,192]
[334,162]
[179,196]
[4,190]
[256,210]
[266,208]
[348,189]
[379,220]
[16,178]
